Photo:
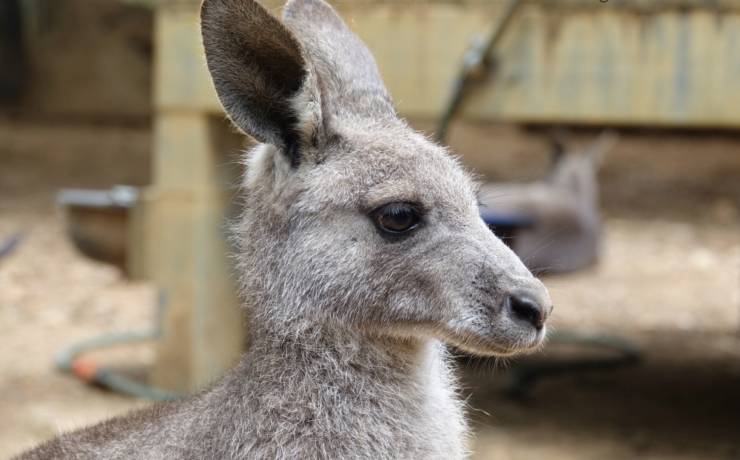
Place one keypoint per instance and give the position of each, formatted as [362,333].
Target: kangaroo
[564,208]
[360,252]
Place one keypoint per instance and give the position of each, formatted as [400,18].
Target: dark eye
[396,218]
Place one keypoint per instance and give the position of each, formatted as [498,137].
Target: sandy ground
[669,281]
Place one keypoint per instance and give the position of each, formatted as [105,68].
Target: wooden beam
[201,325]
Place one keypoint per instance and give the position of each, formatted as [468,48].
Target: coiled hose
[69,360]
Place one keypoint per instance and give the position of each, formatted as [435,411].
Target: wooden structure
[663,62]
[626,62]
[183,215]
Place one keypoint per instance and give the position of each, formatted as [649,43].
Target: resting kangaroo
[361,251]
[564,209]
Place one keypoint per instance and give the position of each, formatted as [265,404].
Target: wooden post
[201,324]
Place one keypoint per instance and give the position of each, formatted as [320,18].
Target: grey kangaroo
[361,252]
[565,232]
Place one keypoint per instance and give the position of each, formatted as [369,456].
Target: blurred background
[118,170]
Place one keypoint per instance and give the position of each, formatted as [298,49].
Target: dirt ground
[668,281]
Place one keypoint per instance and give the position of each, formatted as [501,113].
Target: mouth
[499,345]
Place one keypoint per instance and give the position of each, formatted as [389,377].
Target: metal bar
[478,63]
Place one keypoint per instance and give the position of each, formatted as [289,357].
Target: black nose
[526,309]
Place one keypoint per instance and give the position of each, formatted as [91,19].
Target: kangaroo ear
[261,75]
[602,145]
[347,72]
[558,139]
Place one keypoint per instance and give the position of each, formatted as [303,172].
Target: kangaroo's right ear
[261,75]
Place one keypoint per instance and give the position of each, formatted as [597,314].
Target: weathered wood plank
[671,62]
[202,328]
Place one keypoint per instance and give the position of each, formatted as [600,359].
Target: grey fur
[346,323]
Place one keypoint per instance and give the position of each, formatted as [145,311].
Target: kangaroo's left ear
[261,75]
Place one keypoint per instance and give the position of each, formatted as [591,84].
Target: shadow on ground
[680,401]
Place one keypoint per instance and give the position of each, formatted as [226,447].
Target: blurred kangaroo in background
[361,251]
[563,208]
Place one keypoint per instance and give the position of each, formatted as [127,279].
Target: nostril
[527,310]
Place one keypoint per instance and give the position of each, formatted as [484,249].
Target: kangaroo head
[576,170]
[351,217]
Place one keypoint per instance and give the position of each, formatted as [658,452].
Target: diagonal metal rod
[477,64]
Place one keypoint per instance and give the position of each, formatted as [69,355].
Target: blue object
[512,221]
[9,245]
